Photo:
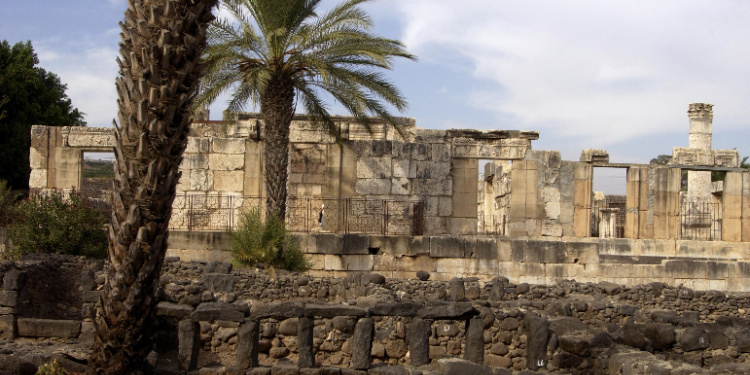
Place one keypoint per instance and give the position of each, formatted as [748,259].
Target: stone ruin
[510,278]
[395,205]
[213,319]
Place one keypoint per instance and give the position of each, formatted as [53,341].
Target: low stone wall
[700,265]
[227,320]
[234,319]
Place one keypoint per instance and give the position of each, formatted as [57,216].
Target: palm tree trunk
[277,107]
[162,42]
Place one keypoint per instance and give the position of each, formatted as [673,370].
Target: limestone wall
[701,265]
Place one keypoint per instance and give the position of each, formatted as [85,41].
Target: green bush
[256,241]
[54,223]
[7,199]
[51,368]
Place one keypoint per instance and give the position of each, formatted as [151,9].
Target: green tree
[282,53]
[32,96]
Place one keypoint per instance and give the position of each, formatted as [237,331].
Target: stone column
[636,203]
[745,218]
[582,185]
[701,117]
[731,226]
[537,333]
[189,337]
[419,342]
[305,342]
[362,344]
[474,350]
[666,202]
[247,345]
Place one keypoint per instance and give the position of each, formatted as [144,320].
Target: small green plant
[51,368]
[8,199]
[267,242]
[55,223]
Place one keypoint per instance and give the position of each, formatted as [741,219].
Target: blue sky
[616,74]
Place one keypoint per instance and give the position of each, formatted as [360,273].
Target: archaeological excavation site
[454,251]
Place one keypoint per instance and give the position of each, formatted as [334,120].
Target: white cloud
[604,72]
[90,76]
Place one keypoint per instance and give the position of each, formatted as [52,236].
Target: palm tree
[281,53]
[162,43]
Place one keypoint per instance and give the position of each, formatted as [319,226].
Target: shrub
[7,199]
[54,223]
[256,241]
[51,368]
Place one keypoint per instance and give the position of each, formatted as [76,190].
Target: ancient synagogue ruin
[397,205]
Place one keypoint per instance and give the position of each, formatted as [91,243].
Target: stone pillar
[474,350]
[247,345]
[305,342]
[189,337]
[362,343]
[525,211]
[419,341]
[458,291]
[731,200]
[537,336]
[745,207]
[636,203]
[582,185]
[666,202]
[701,117]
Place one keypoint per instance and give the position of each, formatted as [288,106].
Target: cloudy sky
[617,75]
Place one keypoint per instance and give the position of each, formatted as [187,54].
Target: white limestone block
[223,162]
[229,145]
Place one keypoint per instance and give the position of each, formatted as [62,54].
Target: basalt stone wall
[569,327]
[222,319]
[48,295]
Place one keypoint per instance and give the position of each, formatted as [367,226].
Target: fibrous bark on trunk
[277,107]
[162,42]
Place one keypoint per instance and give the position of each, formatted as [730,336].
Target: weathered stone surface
[14,280]
[537,329]
[289,327]
[218,282]
[474,350]
[305,342]
[694,338]
[406,308]
[282,310]
[455,366]
[333,310]
[662,336]
[742,340]
[189,345]
[173,309]
[210,311]
[31,327]
[373,186]
[224,162]
[8,298]
[419,346]
[446,247]
[8,327]
[443,310]
[362,343]
[247,345]
[458,293]
[229,145]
